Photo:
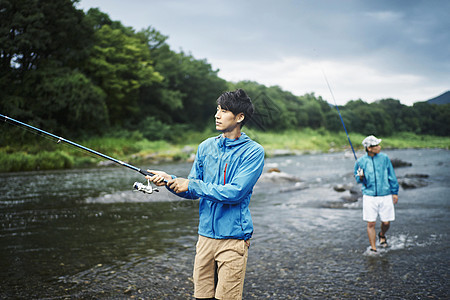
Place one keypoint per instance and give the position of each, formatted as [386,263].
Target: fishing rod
[340,116]
[148,189]
[360,171]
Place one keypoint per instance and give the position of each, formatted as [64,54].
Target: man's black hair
[237,102]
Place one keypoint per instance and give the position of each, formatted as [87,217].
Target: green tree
[333,121]
[189,89]
[433,118]
[315,114]
[285,103]
[33,31]
[161,100]
[352,118]
[442,120]
[40,43]
[120,65]
[269,105]
[65,101]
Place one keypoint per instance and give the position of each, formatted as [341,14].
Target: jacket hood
[226,142]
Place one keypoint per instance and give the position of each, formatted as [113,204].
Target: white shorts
[380,205]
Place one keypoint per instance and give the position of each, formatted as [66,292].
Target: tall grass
[411,140]
[21,161]
[322,140]
[304,140]
[43,154]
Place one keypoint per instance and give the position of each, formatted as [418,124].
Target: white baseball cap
[371,141]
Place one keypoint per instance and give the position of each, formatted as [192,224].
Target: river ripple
[86,234]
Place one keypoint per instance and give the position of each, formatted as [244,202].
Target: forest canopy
[83,74]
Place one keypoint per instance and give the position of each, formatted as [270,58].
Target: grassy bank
[325,141]
[43,154]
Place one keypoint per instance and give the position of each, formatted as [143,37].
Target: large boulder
[398,163]
[353,195]
[413,181]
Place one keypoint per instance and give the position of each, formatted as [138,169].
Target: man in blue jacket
[224,172]
[380,189]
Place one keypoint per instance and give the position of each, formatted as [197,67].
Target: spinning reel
[146,189]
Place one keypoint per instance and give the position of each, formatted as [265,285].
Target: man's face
[226,121]
[374,149]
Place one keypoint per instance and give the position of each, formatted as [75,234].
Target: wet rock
[342,188]
[350,199]
[353,196]
[278,177]
[354,190]
[416,175]
[298,186]
[412,183]
[275,175]
[398,163]
[339,188]
[333,204]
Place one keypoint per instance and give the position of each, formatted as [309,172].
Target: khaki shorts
[219,268]
[381,205]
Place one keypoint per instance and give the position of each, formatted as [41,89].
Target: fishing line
[337,108]
[340,116]
[137,185]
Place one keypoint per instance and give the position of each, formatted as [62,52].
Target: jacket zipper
[375,176]
[225,174]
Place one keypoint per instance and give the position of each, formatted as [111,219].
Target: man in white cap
[380,189]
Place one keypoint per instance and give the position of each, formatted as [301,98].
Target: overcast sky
[367,50]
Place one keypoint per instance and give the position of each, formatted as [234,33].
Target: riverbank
[42,154]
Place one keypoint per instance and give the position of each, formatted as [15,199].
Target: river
[87,234]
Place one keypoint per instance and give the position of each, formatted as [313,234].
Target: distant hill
[441,99]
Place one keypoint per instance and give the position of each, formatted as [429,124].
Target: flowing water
[86,234]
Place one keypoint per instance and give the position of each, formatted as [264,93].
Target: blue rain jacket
[379,175]
[222,176]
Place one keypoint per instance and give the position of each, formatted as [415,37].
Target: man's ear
[240,117]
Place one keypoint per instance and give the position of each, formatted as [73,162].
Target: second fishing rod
[148,189]
[359,171]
